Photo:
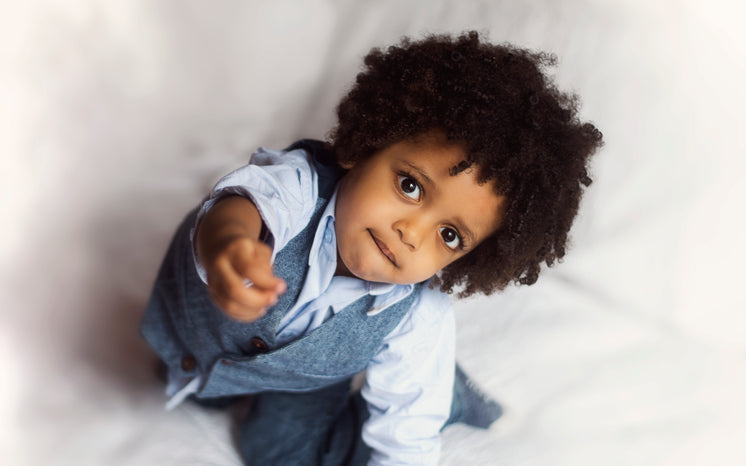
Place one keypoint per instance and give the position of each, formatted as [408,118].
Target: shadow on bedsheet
[126,244]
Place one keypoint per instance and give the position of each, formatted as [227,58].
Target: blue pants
[312,428]
[324,427]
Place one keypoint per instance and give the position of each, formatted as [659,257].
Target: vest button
[188,362]
[259,344]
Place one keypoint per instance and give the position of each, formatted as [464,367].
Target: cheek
[373,202]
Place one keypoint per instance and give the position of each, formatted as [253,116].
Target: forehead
[458,196]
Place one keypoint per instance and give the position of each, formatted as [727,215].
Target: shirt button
[259,344]
[188,362]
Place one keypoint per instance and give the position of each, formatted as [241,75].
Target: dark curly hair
[515,126]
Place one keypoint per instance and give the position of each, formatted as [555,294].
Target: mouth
[384,250]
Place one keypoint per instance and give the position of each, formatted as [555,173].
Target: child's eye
[451,237]
[410,187]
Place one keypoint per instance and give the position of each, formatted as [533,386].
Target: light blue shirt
[408,384]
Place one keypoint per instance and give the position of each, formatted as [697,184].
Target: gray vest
[192,336]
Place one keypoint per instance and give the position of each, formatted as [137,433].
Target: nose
[411,231]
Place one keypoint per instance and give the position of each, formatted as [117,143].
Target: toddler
[457,167]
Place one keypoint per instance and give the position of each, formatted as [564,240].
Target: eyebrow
[420,172]
[463,230]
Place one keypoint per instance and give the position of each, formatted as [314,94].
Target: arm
[276,189]
[409,385]
[227,241]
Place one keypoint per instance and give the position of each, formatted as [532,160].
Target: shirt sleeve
[409,385]
[282,185]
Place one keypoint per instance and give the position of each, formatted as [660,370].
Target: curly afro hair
[515,126]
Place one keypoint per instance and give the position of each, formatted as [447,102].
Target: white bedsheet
[116,117]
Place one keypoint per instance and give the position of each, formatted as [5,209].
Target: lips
[384,250]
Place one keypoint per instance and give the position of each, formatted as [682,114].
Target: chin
[371,274]
[367,275]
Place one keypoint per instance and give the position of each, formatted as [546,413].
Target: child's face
[401,216]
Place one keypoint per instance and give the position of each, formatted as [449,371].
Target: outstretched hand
[240,279]
[238,265]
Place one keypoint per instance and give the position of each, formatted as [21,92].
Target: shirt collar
[325,234]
